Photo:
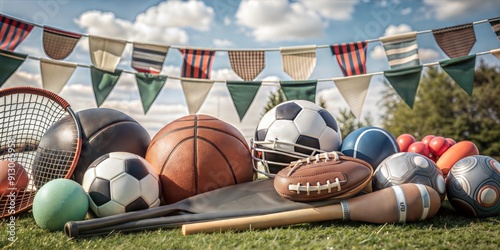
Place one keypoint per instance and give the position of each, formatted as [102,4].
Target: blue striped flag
[351,57]
[12,32]
[197,63]
[401,50]
[148,58]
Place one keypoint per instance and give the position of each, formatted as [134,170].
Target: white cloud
[443,9]
[427,55]
[223,43]
[393,29]
[406,11]
[163,23]
[378,53]
[335,10]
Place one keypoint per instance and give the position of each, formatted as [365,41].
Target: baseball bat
[405,203]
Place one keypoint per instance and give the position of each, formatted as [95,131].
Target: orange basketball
[199,153]
[12,176]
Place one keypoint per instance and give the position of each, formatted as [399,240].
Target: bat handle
[324,213]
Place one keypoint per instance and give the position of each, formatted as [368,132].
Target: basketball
[12,175]
[59,201]
[199,153]
[107,130]
[371,144]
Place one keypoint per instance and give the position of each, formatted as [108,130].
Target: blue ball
[371,144]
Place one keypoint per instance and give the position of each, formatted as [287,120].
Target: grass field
[447,230]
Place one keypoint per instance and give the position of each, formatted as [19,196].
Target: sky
[235,24]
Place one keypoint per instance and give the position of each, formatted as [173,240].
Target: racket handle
[331,212]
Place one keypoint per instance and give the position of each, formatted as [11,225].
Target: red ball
[438,145]
[451,141]
[427,139]
[404,142]
[12,175]
[420,148]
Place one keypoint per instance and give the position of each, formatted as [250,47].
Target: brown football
[324,176]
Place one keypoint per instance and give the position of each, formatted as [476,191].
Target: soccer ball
[473,186]
[409,167]
[292,130]
[121,182]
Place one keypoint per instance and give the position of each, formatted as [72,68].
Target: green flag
[149,86]
[9,62]
[405,81]
[299,90]
[461,69]
[103,82]
[243,93]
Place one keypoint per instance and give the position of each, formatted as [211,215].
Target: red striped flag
[12,32]
[351,57]
[197,63]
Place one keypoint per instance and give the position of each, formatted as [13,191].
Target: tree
[443,108]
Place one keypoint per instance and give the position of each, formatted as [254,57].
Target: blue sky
[252,24]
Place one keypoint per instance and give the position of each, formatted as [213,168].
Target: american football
[326,175]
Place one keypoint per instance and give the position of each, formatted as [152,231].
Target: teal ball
[59,201]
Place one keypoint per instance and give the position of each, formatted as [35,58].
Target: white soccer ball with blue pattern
[121,182]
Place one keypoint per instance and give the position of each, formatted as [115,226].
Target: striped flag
[495,25]
[351,57]
[401,50]
[148,58]
[299,61]
[197,63]
[12,32]
[58,44]
[456,41]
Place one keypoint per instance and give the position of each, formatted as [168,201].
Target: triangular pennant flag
[456,41]
[247,64]
[242,94]
[149,86]
[299,62]
[299,90]
[55,74]
[9,63]
[405,81]
[149,58]
[496,53]
[354,90]
[495,25]
[461,70]
[401,50]
[12,32]
[103,82]
[58,44]
[105,53]
[195,91]
[351,57]
[197,63]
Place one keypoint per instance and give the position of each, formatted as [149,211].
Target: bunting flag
[495,25]
[149,86]
[103,82]
[461,70]
[351,57]
[299,90]
[195,91]
[9,63]
[354,90]
[197,63]
[401,50]
[405,81]
[496,53]
[148,58]
[105,53]
[247,64]
[455,41]
[12,32]
[58,44]
[55,74]
[299,62]
[242,94]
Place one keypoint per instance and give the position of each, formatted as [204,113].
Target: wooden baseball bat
[398,204]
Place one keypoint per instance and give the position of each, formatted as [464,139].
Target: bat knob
[71,229]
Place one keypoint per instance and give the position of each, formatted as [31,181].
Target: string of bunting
[298,62]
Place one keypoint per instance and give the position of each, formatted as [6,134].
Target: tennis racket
[40,140]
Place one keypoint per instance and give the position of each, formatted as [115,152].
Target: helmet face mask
[270,156]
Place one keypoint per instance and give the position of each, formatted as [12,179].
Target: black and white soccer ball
[293,130]
[121,182]
[409,167]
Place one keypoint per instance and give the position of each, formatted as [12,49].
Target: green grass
[447,230]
